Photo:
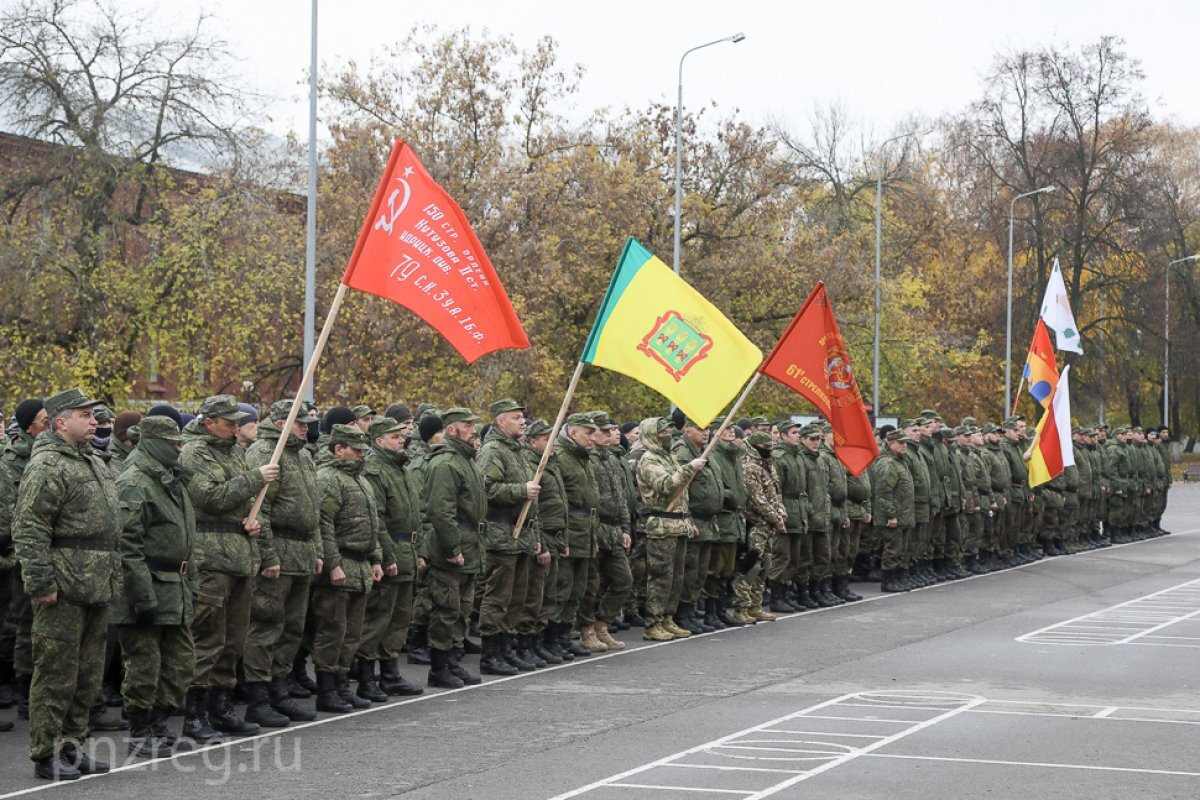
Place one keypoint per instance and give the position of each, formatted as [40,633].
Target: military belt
[167,565]
[500,518]
[354,555]
[467,528]
[80,543]
[666,514]
[291,534]
[704,517]
[607,520]
[581,512]
[220,527]
[404,537]
[792,496]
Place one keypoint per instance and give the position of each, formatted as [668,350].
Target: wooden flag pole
[1017,398]
[558,422]
[716,437]
[309,371]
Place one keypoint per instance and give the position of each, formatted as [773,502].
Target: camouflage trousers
[748,588]
[338,625]
[695,569]
[278,609]
[1014,518]
[914,543]
[528,620]
[386,620]
[452,595]
[548,607]
[572,586]
[847,550]
[158,662]
[637,567]
[665,557]
[219,626]
[611,582]
[822,555]
[936,546]
[1118,511]
[506,581]
[785,556]
[894,546]
[68,660]
[721,564]
[16,642]
[952,538]
[972,531]
[422,605]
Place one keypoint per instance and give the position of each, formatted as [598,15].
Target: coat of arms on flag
[676,344]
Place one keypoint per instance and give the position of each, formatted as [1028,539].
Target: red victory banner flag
[418,250]
[811,360]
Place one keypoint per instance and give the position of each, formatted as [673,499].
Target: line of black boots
[714,617]
[799,595]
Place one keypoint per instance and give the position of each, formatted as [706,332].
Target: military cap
[65,401]
[381,425]
[824,426]
[539,427]
[504,406]
[103,415]
[968,421]
[1015,418]
[458,414]
[580,420]
[759,421]
[962,430]
[898,436]
[349,436]
[944,433]
[603,421]
[716,423]
[759,439]
[908,423]
[280,409]
[1088,432]
[1135,429]
[1011,424]
[361,411]
[810,431]
[988,428]
[159,428]
[786,425]
[426,408]
[221,406]
[929,413]
[249,411]
[398,412]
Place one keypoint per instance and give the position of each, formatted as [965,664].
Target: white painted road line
[1125,623]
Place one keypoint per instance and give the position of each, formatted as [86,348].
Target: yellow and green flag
[658,330]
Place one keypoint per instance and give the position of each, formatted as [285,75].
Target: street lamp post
[878,259]
[1008,336]
[1167,335]
[735,38]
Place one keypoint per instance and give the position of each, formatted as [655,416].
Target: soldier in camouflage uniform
[431,434]
[705,497]
[65,531]
[1019,494]
[839,522]
[820,513]
[766,520]
[612,574]
[18,623]
[452,545]
[662,486]
[916,541]
[953,517]
[154,616]
[389,605]
[508,481]
[1001,476]
[791,553]
[574,449]
[290,537]
[552,516]
[858,512]
[726,460]
[222,491]
[975,479]
[893,509]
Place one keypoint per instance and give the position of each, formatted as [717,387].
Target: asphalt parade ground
[1073,677]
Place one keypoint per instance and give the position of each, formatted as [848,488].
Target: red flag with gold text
[418,250]
[811,360]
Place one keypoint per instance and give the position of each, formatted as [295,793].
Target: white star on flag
[1056,313]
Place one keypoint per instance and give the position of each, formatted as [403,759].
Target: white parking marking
[1126,623]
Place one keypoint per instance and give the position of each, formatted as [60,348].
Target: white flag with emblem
[1056,313]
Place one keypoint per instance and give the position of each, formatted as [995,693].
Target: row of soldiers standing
[389,534]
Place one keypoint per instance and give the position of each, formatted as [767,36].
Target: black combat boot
[537,643]
[282,701]
[80,760]
[300,686]
[23,682]
[634,618]
[569,644]
[328,698]
[697,617]
[821,599]
[455,657]
[368,687]
[439,670]
[55,768]
[830,595]
[195,716]
[723,604]
[491,662]
[470,647]
[142,741]
[804,599]
[223,716]
[158,726]
[889,582]
[106,718]
[524,648]
[779,603]
[392,682]
[418,645]
[507,649]
[550,640]
[710,614]
[841,587]
[875,572]
[684,620]
[259,710]
[346,693]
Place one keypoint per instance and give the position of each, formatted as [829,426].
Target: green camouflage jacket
[506,470]
[858,495]
[765,506]
[705,493]
[455,506]
[920,481]
[726,460]
[583,496]
[613,510]
[552,502]
[222,491]
[291,511]
[399,502]
[792,470]
[1017,470]
[156,540]
[67,523]
[837,488]
[894,493]
[820,507]
[937,489]
[660,478]
[350,524]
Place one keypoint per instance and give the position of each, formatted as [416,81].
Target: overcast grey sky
[881,60]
